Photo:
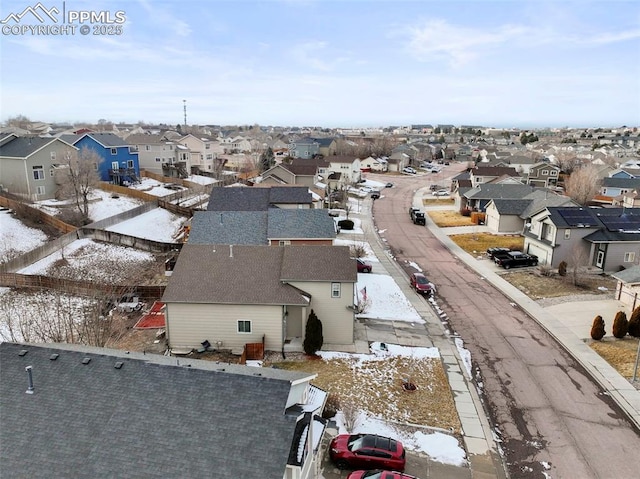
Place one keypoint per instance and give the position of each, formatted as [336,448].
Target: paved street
[552,417]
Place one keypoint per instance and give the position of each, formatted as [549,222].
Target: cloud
[312,55]
[165,19]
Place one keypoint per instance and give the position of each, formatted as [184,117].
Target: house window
[114,151]
[129,163]
[40,190]
[53,156]
[629,257]
[244,326]
[567,234]
[147,147]
[284,243]
[209,157]
[115,165]
[335,290]
[544,172]
[51,172]
[38,173]
[553,173]
[157,159]
[133,149]
[207,146]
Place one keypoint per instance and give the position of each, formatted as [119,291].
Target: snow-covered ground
[16,238]
[157,225]
[102,205]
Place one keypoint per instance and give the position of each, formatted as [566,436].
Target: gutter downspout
[285,313]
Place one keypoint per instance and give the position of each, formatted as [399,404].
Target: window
[115,165]
[38,173]
[53,156]
[157,159]
[567,234]
[114,151]
[133,149]
[51,172]
[544,172]
[284,243]
[335,290]
[629,257]
[209,157]
[244,326]
[207,146]
[40,190]
[553,173]
[129,163]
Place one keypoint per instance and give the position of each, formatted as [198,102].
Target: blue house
[119,163]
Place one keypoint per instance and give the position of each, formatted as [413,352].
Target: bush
[345,224]
[620,325]
[562,268]
[634,323]
[331,407]
[358,250]
[313,335]
[465,211]
[597,328]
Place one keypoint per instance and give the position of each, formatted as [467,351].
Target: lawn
[440,200]
[620,353]
[537,286]
[476,243]
[374,384]
[448,218]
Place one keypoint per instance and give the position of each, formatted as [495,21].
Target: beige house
[628,286]
[232,295]
[204,152]
[291,174]
[28,165]
[347,166]
[160,156]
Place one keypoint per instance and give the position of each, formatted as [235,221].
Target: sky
[341,63]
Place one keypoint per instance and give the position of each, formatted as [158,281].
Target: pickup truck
[417,216]
[497,251]
[515,259]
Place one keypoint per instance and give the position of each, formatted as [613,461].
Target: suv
[367,450]
[375,195]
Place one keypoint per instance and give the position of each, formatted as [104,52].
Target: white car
[441,193]
[409,170]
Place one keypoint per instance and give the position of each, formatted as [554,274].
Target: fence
[123,190]
[122,239]
[26,210]
[76,287]
[252,351]
[40,252]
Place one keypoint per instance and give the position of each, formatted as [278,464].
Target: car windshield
[373,474]
[422,280]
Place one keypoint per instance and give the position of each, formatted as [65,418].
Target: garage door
[541,253]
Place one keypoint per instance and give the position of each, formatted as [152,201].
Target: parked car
[419,218]
[414,212]
[497,250]
[421,284]
[503,254]
[367,451]
[389,185]
[515,259]
[363,266]
[129,303]
[379,474]
[435,187]
[409,170]
[441,193]
[375,195]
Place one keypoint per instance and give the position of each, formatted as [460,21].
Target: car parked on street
[421,284]
[363,266]
[379,474]
[409,170]
[368,451]
[375,195]
[441,193]
[389,185]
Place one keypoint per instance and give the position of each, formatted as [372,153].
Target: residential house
[606,238]
[326,146]
[477,198]
[205,153]
[246,294]
[612,187]
[86,412]
[119,163]
[274,227]
[379,165]
[162,157]
[304,148]
[28,165]
[628,286]
[510,215]
[544,175]
[291,174]
[486,174]
[347,166]
[259,198]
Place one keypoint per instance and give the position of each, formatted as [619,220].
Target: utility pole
[184,104]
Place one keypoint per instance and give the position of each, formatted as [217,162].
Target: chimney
[230,251]
[30,378]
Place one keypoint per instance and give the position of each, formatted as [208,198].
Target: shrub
[597,328]
[331,407]
[358,250]
[465,211]
[546,270]
[345,224]
[620,325]
[634,323]
[562,268]
[313,335]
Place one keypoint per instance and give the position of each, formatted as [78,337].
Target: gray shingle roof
[256,198]
[629,275]
[107,140]
[621,182]
[24,146]
[226,274]
[499,191]
[258,227]
[151,418]
[511,207]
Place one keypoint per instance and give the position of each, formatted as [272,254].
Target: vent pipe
[230,251]
[30,389]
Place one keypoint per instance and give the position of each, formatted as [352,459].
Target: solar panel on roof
[624,222]
[576,216]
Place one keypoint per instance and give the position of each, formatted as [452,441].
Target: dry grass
[620,353]
[439,200]
[449,218]
[476,243]
[536,286]
[375,386]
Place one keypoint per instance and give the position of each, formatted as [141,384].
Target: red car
[421,284]
[363,266]
[367,451]
[379,474]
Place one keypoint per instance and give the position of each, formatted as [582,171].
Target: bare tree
[583,184]
[19,121]
[577,261]
[80,178]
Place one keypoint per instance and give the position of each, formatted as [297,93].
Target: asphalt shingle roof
[256,198]
[24,146]
[499,191]
[511,207]
[154,417]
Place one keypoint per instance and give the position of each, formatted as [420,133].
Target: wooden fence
[76,287]
[252,352]
[22,209]
[123,190]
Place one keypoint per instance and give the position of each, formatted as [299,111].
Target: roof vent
[23,352]
[30,389]
[118,365]
[54,356]
[86,360]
